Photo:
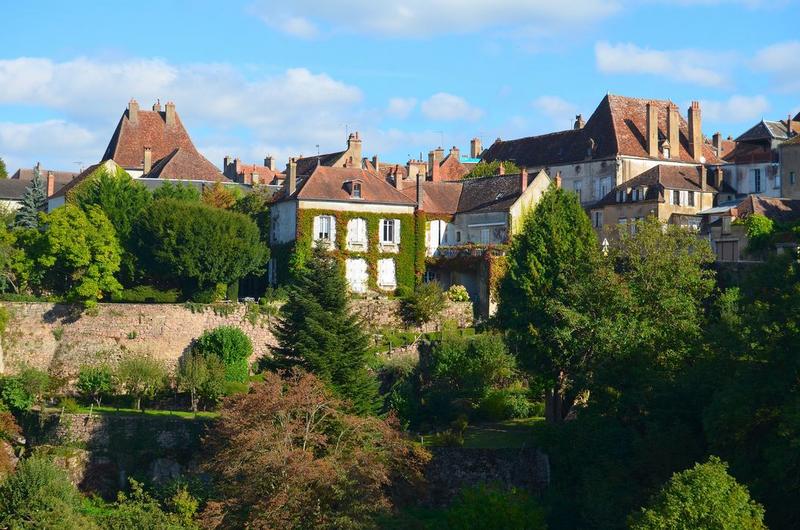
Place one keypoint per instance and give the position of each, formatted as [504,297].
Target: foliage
[14,267]
[122,200]
[140,376]
[489,169]
[95,382]
[34,201]
[35,382]
[203,377]
[13,394]
[705,496]
[179,191]
[229,344]
[508,403]
[324,468]
[80,253]
[422,305]
[9,435]
[760,230]
[141,511]
[256,206]
[218,196]
[195,242]
[318,333]
[3,170]
[147,294]
[458,293]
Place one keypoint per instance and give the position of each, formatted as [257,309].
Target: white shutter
[380,230]
[316,228]
[397,231]
[386,274]
[356,274]
[333,230]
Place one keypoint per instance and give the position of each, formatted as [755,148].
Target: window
[622,220]
[323,228]
[598,219]
[635,194]
[357,233]
[777,181]
[690,201]
[458,236]
[356,190]
[356,275]
[431,276]
[605,182]
[756,180]
[792,178]
[676,197]
[620,196]
[577,185]
[666,152]
[390,231]
[386,276]
[484,236]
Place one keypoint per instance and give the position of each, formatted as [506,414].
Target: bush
[147,294]
[232,346]
[95,382]
[140,376]
[507,403]
[36,382]
[458,293]
[13,395]
[422,305]
[68,404]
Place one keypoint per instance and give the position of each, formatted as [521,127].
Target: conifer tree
[34,200]
[3,170]
[318,333]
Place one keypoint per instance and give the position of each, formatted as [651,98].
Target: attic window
[356,190]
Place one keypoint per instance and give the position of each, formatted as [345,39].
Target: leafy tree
[180,191]
[256,206]
[318,333]
[219,196]
[95,382]
[556,298]
[3,170]
[705,496]
[285,455]
[140,510]
[14,267]
[35,382]
[34,201]
[203,377]
[488,169]
[760,230]
[199,244]
[80,252]
[422,305]
[231,346]
[122,200]
[140,376]
[13,394]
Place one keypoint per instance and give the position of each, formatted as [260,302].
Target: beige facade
[790,170]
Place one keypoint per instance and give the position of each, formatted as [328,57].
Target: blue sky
[259,77]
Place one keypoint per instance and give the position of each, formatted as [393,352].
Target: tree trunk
[138,403]
[194,401]
[555,398]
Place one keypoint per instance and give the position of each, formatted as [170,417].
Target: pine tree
[34,200]
[318,333]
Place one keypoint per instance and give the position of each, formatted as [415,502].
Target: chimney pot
[523,179]
[157,106]
[269,161]
[420,193]
[376,164]
[501,169]
[147,164]
[579,123]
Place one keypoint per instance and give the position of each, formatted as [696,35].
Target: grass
[184,414]
[508,434]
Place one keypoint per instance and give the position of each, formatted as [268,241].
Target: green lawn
[509,434]
[147,412]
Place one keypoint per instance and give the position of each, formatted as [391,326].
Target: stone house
[13,188]
[789,154]
[623,138]
[252,174]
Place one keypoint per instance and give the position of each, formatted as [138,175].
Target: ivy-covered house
[352,212]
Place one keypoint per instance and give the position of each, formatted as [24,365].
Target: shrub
[422,305]
[140,510]
[140,376]
[68,404]
[458,293]
[36,382]
[232,346]
[202,377]
[147,294]
[13,395]
[507,403]
[95,382]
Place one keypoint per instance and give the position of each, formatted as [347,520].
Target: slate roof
[495,193]
[618,126]
[769,130]
[62,177]
[79,178]
[265,174]
[751,153]
[306,165]
[185,164]
[150,129]
[13,189]
[330,184]
[657,179]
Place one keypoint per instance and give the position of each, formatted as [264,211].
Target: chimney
[51,184]
[376,164]
[133,111]
[291,176]
[501,169]
[170,113]
[225,163]
[703,179]
[716,141]
[558,179]
[579,123]
[695,132]
[455,153]
[434,159]
[157,106]
[674,131]
[148,160]
[652,130]
[354,146]
[269,161]
[420,193]
[719,177]
[523,179]
[475,148]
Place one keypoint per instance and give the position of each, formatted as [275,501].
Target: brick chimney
[695,132]
[455,153]
[376,163]
[133,111]
[579,123]
[51,184]
[523,179]
[269,161]
[420,192]
[673,131]
[226,163]
[475,148]
[558,179]
[148,160]
[703,179]
[434,159]
[169,117]
[354,147]
[719,177]
[291,176]
[652,130]
[716,141]
[157,106]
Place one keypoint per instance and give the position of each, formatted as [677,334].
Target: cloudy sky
[257,77]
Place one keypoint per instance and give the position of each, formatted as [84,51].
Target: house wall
[283,222]
[350,206]
[9,205]
[665,212]
[740,177]
[727,233]
[528,201]
[790,162]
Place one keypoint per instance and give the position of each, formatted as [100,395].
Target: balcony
[471,250]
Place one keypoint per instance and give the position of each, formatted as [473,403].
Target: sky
[256,77]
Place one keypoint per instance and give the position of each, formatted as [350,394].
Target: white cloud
[448,107]
[689,66]
[401,107]
[559,110]
[735,109]
[24,144]
[422,18]
[782,62]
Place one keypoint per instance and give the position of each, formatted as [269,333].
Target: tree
[35,382]
[95,382]
[423,304]
[180,191]
[140,376]
[256,205]
[219,196]
[199,244]
[14,270]
[122,200]
[140,510]
[13,394]
[34,201]
[705,496]
[3,170]
[555,297]
[318,333]
[231,346]
[488,169]
[285,455]
[80,252]
[202,377]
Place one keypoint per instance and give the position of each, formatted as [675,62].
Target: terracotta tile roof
[439,197]
[265,174]
[150,129]
[330,183]
[185,164]
[452,169]
[83,175]
[618,126]
[780,210]
[656,180]
[726,148]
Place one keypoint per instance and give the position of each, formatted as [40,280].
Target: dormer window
[356,190]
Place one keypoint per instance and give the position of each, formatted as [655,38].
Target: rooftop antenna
[80,166]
